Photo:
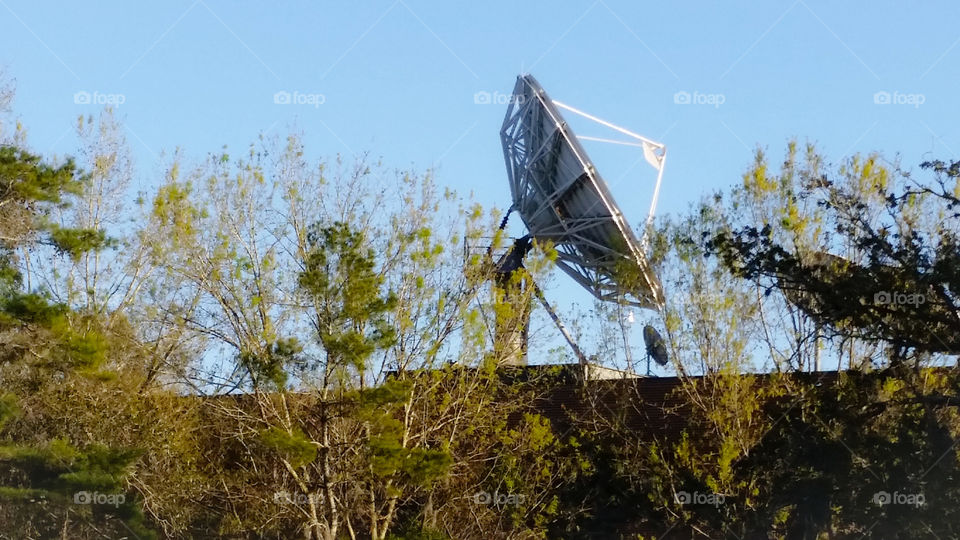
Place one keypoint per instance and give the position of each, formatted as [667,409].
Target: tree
[42,338]
[795,265]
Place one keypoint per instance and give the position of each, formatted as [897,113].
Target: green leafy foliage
[66,475]
[24,178]
[75,242]
[31,308]
[379,409]
[340,277]
[898,256]
[9,409]
[270,367]
[293,445]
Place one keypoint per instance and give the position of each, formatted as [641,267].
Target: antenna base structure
[512,283]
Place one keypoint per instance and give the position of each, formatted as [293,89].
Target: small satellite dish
[656,347]
[561,198]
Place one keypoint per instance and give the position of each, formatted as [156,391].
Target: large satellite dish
[562,198]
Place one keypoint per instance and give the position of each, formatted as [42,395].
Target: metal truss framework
[561,198]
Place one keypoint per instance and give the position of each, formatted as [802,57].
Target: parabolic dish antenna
[561,197]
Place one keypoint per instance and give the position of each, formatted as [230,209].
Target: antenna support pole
[645,240]
[560,326]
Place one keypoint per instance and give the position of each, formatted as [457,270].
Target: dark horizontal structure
[649,406]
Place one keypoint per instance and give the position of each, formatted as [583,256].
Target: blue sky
[398,78]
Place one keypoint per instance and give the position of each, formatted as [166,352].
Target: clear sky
[398,78]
